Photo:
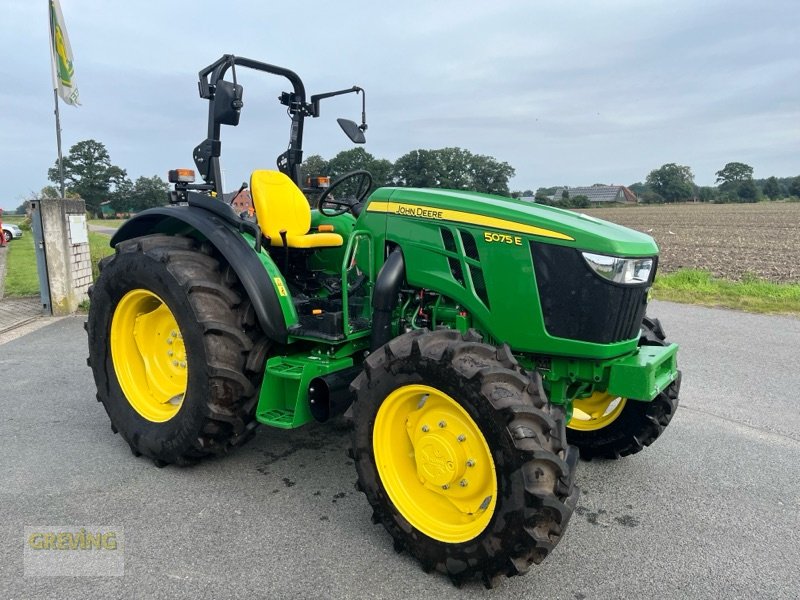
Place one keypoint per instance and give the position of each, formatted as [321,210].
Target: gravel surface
[712,510]
[730,240]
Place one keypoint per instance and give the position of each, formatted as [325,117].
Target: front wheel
[174,348]
[607,426]
[7,236]
[462,458]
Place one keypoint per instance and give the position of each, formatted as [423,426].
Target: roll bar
[225,103]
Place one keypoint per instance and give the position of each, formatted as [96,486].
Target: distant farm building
[600,194]
[241,201]
[108,212]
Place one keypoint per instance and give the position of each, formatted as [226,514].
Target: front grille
[578,304]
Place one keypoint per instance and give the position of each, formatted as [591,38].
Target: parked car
[11,232]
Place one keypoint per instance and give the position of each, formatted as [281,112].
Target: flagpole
[58,140]
[51,14]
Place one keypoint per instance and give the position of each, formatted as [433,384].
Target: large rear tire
[175,350]
[604,426]
[461,456]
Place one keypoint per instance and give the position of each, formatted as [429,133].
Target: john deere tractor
[477,343]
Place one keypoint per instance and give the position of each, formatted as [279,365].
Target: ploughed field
[729,240]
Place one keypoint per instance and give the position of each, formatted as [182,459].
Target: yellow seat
[281,206]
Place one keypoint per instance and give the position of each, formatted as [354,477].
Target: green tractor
[476,343]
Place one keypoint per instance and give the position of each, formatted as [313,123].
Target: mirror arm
[363,126]
[317,97]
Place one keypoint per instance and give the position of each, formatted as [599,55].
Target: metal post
[58,139]
[41,256]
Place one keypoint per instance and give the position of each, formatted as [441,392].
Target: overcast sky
[567,92]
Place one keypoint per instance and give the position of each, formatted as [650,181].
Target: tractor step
[283,401]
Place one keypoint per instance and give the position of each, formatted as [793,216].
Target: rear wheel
[607,426]
[174,349]
[462,458]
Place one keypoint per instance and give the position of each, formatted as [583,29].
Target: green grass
[15,219]
[751,294]
[107,222]
[98,248]
[22,278]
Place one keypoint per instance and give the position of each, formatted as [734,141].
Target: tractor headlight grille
[590,297]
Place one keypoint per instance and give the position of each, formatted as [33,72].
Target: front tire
[462,458]
[174,349]
[604,426]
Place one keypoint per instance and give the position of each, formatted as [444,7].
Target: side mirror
[227,102]
[352,131]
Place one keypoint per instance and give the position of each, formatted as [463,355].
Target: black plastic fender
[234,248]
[384,298]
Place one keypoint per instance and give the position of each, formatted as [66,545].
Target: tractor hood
[550,224]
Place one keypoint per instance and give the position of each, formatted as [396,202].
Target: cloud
[571,92]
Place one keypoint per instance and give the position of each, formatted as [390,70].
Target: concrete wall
[69,267]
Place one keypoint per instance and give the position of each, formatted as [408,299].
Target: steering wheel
[333,207]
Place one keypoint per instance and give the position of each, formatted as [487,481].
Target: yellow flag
[61,54]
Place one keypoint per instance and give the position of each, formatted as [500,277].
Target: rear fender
[262,289]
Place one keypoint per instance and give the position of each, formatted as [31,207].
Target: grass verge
[98,249]
[107,222]
[752,294]
[22,278]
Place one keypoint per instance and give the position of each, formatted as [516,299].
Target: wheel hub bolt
[183,364]
[462,437]
[442,424]
[174,363]
[446,486]
[169,352]
[173,333]
[470,463]
[463,483]
[169,340]
[425,429]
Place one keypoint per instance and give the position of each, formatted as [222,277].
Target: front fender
[184,220]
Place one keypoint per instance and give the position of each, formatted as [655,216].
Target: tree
[638,188]
[794,187]
[581,201]
[358,158]
[88,172]
[772,188]
[736,181]
[706,193]
[315,165]
[651,197]
[122,200]
[733,174]
[747,191]
[672,182]
[50,191]
[565,196]
[147,192]
[453,168]
[417,168]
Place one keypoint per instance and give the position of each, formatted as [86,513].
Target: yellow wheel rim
[434,463]
[149,355]
[595,412]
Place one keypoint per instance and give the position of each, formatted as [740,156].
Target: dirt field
[730,240]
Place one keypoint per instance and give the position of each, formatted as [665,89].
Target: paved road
[104,229]
[711,511]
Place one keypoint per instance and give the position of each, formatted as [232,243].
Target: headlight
[627,271]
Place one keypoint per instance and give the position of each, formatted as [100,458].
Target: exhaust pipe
[330,395]
[384,298]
